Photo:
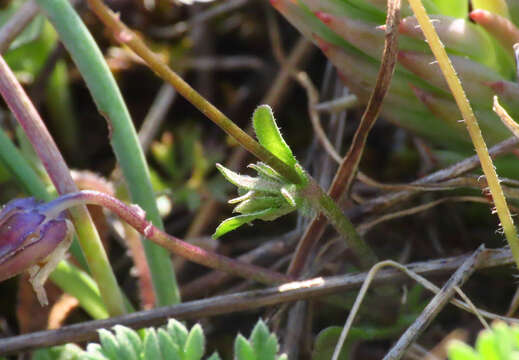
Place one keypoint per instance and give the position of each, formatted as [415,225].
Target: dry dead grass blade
[365,227]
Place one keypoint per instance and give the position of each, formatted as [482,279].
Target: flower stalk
[136,217]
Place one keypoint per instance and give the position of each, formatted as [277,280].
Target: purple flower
[32,239]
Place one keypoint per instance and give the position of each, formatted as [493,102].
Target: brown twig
[87,331]
[348,168]
[385,201]
[365,227]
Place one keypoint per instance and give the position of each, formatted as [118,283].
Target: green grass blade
[90,62]
[78,284]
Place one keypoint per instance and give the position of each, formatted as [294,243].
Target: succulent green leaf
[269,135]
[248,182]
[178,332]
[459,351]
[109,344]
[129,337]
[168,347]
[504,339]
[242,349]
[195,344]
[65,352]
[151,346]
[264,343]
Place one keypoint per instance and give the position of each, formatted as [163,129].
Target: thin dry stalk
[344,176]
[365,227]
[468,164]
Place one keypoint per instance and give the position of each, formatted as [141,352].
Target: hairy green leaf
[266,171]
[237,221]
[269,136]
[249,182]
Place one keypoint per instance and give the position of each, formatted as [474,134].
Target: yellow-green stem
[472,126]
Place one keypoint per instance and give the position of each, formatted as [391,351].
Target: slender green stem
[463,103]
[82,287]
[100,81]
[55,165]
[135,217]
[334,214]
[126,36]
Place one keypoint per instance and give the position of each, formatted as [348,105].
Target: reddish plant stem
[135,216]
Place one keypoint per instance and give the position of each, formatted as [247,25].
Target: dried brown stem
[348,168]
[87,331]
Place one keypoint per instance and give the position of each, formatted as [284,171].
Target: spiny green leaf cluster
[499,343]
[171,342]
[269,195]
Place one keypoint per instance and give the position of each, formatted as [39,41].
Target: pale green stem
[454,84]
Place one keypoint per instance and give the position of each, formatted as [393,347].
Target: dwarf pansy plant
[269,195]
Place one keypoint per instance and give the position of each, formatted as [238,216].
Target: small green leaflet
[269,136]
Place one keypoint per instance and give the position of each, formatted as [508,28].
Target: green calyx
[269,195]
